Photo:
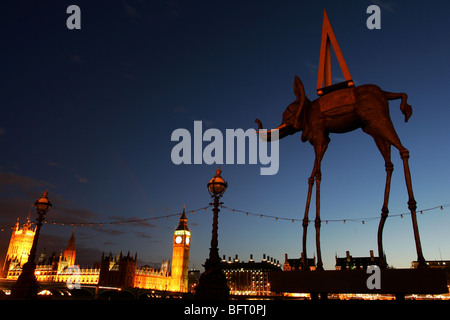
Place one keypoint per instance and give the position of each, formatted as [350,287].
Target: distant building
[151,278]
[70,252]
[193,278]
[440,264]
[115,270]
[249,278]
[19,247]
[297,264]
[121,271]
[56,268]
[180,256]
[349,262]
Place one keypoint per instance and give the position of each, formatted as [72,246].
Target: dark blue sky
[89,115]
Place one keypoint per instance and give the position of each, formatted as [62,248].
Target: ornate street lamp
[213,283]
[26,286]
[217,186]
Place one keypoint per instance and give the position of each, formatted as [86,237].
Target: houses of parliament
[115,270]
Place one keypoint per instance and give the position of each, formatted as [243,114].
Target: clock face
[178,239]
[187,240]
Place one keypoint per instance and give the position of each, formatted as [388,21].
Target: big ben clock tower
[180,255]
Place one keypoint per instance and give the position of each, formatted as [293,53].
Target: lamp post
[26,285]
[213,283]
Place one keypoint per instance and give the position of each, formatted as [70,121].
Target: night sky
[88,114]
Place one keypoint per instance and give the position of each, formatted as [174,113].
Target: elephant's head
[292,116]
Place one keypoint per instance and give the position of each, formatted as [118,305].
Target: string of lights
[112,222]
[362,220]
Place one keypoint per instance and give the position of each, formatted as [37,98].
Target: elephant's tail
[404,107]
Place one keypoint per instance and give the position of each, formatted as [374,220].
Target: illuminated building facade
[151,278]
[70,253]
[297,264]
[56,268]
[115,271]
[118,272]
[121,271]
[249,278]
[440,264]
[180,255]
[349,262]
[19,247]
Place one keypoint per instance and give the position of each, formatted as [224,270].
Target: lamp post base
[212,285]
[26,286]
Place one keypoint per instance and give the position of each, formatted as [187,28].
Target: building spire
[70,251]
[27,224]
[183,221]
[71,245]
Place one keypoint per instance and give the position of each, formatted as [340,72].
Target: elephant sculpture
[340,111]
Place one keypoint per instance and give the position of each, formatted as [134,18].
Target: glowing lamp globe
[217,186]
[43,204]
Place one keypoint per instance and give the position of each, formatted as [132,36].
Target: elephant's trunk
[267,136]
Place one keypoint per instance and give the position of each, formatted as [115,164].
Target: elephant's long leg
[320,151]
[306,221]
[386,131]
[317,223]
[412,205]
[385,149]
[384,213]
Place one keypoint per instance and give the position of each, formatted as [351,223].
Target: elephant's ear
[299,91]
